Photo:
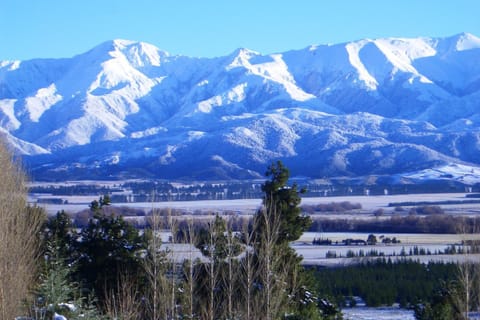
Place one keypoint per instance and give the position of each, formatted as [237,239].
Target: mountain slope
[129,109]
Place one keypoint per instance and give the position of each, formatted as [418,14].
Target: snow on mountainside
[128,109]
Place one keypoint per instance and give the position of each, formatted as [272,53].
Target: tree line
[436,223]
[383,282]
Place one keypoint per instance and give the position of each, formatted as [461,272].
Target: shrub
[332,207]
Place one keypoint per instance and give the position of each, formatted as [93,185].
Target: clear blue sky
[63,28]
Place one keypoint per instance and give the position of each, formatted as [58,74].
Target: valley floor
[336,254]
[368,204]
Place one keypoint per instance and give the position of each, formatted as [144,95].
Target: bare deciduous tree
[158,265]
[124,302]
[212,270]
[268,261]
[153,269]
[189,272]
[229,278]
[173,226]
[248,272]
[463,295]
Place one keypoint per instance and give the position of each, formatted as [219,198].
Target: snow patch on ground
[148,132]
[384,313]
[467,174]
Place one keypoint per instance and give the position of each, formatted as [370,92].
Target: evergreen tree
[109,247]
[59,230]
[57,293]
[220,236]
[283,200]
[286,287]
[440,307]
[371,240]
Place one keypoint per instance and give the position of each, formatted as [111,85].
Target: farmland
[418,246]
[74,203]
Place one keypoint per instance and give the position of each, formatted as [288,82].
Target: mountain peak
[139,54]
[241,57]
[244,52]
[466,41]
[123,43]
[459,42]
[365,107]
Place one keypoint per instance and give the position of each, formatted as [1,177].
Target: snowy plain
[250,206]
[316,254]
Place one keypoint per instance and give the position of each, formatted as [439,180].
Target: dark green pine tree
[220,235]
[441,307]
[59,230]
[275,226]
[57,293]
[109,247]
[284,200]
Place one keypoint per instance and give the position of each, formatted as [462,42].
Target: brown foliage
[331,207]
[19,238]
[124,302]
[433,223]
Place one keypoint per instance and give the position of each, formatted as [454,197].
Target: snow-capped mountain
[129,109]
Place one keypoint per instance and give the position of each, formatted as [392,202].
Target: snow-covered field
[312,252]
[316,255]
[249,206]
[77,203]
[433,243]
[405,238]
[386,313]
[425,259]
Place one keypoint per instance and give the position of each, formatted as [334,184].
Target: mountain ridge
[127,108]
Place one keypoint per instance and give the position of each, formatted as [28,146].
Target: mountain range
[127,109]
